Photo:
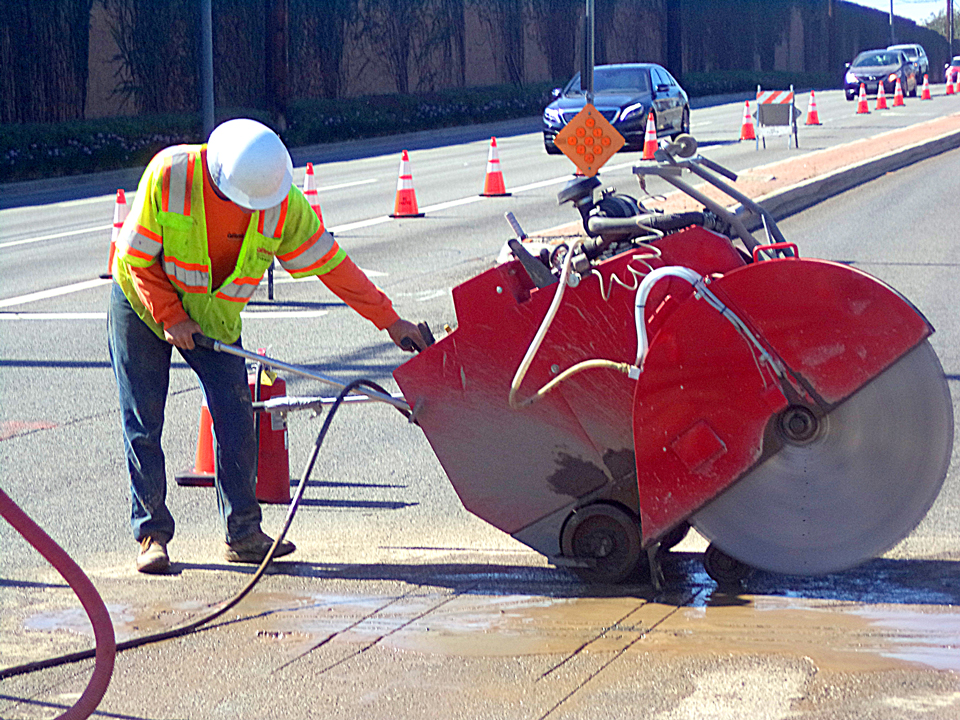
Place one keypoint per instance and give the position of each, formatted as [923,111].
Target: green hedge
[318,121]
[705,84]
[49,150]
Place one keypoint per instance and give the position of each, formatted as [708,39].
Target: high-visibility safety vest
[167,224]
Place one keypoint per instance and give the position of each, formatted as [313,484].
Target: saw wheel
[606,538]
[846,487]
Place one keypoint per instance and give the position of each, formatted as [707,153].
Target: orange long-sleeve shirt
[226,226]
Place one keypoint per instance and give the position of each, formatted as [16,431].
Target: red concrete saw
[600,396]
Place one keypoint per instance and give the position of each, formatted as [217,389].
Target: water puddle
[840,636]
[128,621]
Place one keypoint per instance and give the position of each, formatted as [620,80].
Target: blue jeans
[141,364]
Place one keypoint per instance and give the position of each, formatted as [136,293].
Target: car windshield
[613,80]
[909,50]
[955,62]
[877,58]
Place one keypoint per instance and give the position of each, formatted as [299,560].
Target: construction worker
[206,224]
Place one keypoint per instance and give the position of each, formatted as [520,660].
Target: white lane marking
[338,228]
[249,314]
[348,184]
[361,224]
[54,292]
[68,233]
[468,200]
[253,314]
[53,316]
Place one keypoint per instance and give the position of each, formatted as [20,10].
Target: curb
[795,198]
[786,201]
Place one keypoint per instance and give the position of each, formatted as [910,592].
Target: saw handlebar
[215,345]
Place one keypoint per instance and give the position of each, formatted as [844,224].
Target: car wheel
[850,95]
[684,124]
[916,84]
[551,149]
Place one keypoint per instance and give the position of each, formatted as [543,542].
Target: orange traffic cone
[493,183]
[746,128]
[862,108]
[812,117]
[202,473]
[649,139]
[120,211]
[957,89]
[949,88]
[881,98]
[925,95]
[898,95]
[406,202]
[310,191]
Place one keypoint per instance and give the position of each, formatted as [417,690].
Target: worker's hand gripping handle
[203,341]
[410,346]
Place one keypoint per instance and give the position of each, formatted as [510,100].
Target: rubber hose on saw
[206,619]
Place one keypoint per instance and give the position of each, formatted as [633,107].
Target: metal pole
[206,66]
[950,28]
[586,76]
[893,37]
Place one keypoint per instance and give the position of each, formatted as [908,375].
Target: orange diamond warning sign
[589,140]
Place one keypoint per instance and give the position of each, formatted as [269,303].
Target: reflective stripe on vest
[140,242]
[272,219]
[240,290]
[189,277]
[312,254]
[176,184]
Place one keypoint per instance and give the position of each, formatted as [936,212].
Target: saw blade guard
[715,406]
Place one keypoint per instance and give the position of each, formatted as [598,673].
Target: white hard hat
[249,163]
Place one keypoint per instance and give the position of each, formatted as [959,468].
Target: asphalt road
[430,610]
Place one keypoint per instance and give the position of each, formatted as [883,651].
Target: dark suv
[918,56]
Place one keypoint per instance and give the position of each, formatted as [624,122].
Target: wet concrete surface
[490,639]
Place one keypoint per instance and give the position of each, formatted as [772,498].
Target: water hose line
[231,602]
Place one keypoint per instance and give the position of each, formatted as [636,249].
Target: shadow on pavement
[882,581]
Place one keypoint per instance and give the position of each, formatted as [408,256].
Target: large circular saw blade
[862,483]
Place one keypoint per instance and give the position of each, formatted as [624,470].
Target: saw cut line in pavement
[618,654]
[364,619]
[617,625]
[401,626]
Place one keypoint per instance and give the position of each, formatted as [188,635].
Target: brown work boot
[254,548]
[153,556]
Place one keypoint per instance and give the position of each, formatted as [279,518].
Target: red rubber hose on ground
[89,598]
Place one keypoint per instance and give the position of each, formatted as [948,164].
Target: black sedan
[624,94]
[872,67]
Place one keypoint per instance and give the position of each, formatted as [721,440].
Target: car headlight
[851,78]
[628,111]
[893,77]
[552,115]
